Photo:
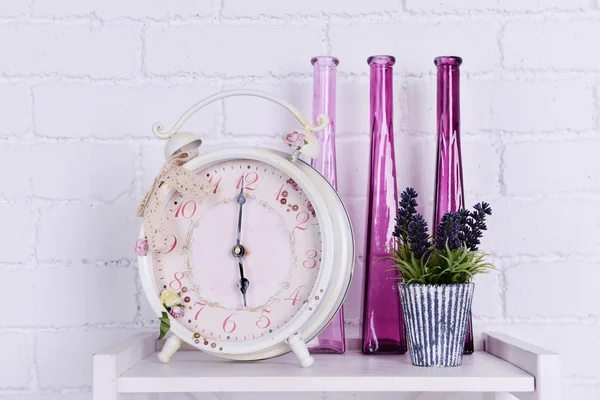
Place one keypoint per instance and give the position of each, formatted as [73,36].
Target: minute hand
[241,199]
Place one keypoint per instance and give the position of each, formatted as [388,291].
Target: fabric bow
[174,175]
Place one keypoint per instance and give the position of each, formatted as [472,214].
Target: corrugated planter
[436,318]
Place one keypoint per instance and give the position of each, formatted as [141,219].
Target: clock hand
[240,200]
[238,249]
[243,282]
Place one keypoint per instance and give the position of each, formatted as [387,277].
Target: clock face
[279,253]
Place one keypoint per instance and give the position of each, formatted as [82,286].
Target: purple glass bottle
[333,338]
[449,192]
[383,324]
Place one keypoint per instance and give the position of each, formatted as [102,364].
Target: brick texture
[16,180]
[80,232]
[556,45]
[117,111]
[553,167]
[556,296]
[231,50]
[16,98]
[450,7]
[82,83]
[51,49]
[96,295]
[15,352]
[550,221]
[16,240]
[83,171]
[130,8]
[241,8]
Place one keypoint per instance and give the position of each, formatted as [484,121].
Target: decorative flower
[418,238]
[141,247]
[293,184]
[476,224]
[177,311]
[311,209]
[406,210]
[449,231]
[295,139]
[169,298]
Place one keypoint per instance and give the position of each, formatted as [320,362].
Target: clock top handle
[322,119]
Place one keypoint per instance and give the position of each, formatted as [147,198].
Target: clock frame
[337,257]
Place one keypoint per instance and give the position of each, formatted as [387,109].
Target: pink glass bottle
[383,325]
[449,192]
[333,338]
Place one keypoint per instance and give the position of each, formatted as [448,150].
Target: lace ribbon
[174,175]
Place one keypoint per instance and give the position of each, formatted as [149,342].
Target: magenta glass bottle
[383,324]
[449,192]
[333,338]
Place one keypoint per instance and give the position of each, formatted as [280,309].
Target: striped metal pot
[436,318]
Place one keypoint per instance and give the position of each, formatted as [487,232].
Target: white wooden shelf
[505,366]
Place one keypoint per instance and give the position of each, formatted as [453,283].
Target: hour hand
[243,283]
[243,286]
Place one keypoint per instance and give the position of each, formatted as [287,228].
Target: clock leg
[171,346]
[300,350]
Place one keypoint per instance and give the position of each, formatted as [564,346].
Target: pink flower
[292,183]
[295,139]
[176,312]
[141,247]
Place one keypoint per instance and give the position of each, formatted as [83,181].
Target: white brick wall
[15,352]
[81,83]
[76,49]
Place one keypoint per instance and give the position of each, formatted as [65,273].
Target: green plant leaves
[165,325]
[439,266]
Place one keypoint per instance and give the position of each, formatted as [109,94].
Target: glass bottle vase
[383,323]
[332,339]
[449,192]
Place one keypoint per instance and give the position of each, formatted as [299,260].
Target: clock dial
[278,252]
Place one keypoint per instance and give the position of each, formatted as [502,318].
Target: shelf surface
[193,371]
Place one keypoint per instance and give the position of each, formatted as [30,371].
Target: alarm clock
[245,252]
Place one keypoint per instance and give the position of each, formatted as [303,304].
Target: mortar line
[33,366]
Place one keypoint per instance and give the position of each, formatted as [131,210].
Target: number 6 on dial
[229,325]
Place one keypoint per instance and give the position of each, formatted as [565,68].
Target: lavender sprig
[418,236]
[476,225]
[449,231]
[407,208]
[465,230]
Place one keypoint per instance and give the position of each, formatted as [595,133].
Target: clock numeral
[278,194]
[302,217]
[172,246]
[229,325]
[311,262]
[264,321]
[176,283]
[216,185]
[295,296]
[249,181]
[185,211]
[202,305]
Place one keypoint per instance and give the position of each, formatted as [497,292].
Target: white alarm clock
[250,249]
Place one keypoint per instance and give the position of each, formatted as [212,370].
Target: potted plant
[437,273]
